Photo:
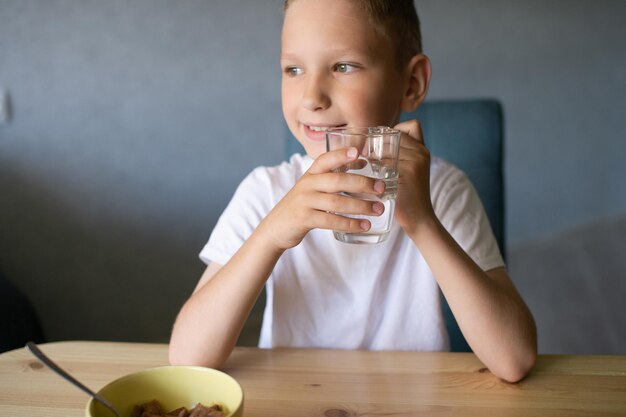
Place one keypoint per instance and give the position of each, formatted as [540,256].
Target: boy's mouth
[317,133]
[319,128]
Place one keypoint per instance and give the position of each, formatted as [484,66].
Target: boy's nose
[315,96]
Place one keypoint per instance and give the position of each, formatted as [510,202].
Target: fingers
[327,195]
[340,223]
[332,160]
[323,191]
[337,182]
[338,203]
[332,211]
[320,177]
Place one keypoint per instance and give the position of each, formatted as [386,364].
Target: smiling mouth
[317,133]
[323,128]
[318,128]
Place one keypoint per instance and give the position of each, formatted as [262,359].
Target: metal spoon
[32,347]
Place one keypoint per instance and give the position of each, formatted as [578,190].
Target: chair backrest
[469,134]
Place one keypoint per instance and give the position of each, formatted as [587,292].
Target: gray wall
[133,122]
[559,68]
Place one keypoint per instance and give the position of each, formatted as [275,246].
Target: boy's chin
[315,150]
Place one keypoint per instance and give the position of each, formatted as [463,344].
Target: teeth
[320,128]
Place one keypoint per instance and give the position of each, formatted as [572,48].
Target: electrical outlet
[5,106]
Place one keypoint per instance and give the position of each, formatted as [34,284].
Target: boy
[354,63]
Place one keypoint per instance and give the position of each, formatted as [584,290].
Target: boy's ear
[417,77]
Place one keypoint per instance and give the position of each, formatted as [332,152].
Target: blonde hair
[395,19]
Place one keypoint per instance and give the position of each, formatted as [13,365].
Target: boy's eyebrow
[287,56]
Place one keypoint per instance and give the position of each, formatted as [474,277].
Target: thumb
[413,128]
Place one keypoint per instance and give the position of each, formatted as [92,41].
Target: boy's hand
[413,205]
[312,202]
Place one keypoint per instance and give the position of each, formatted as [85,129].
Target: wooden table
[332,383]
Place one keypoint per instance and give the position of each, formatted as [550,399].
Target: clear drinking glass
[378,158]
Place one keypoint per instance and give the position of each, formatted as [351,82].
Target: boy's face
[337,71]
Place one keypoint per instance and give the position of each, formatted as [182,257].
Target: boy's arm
[491,314]
[209,323]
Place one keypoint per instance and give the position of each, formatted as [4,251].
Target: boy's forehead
[340,25]
[318,13]
[325,9]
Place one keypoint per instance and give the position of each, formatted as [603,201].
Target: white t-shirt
[328,294]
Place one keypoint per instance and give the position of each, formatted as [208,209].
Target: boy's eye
[293,71]
[345,68]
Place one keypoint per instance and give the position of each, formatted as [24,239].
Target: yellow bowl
[173,387]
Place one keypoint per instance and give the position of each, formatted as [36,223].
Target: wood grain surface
[332,383]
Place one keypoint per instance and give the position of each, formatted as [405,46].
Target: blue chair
[469,134]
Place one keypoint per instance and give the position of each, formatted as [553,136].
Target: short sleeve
[249,205]
[459,209]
